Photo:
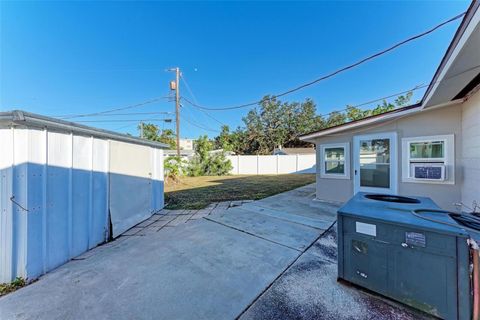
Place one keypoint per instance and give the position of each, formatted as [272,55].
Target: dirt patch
[310,290]
[326,247]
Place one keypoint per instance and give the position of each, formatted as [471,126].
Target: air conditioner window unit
[428,171]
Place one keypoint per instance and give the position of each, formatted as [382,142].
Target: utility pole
[141,129]
[175,85]
[177,107]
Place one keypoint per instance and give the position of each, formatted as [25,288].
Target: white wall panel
[470,153]
[131,169]
[6,230]
[306,163]
[272,164]
[267,164]
[248,165]
[61,183]
[157,180]
[234,161]
[288,164]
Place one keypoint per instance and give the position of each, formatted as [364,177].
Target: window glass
[334,167]
[425,150]
[335,154]
[334,160]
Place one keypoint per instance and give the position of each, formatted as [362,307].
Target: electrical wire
[124,120]
[185,82]
[132,113]
[197,125]
[464,220]
[115,109]
[418,87]
[334,73]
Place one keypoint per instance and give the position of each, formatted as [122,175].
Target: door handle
[355,171]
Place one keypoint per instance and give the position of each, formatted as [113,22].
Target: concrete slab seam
[251,234]
[282,273]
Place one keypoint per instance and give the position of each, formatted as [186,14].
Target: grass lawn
[198,192]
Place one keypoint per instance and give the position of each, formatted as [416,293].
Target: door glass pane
[375,151]
[375,163]
[375,175]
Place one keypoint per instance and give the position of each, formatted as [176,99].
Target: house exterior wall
[447,120]
[471,150]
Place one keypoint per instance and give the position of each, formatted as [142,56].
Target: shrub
[174,167]
[10,287]
[205,163]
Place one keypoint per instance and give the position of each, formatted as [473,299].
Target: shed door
[375,163]
[130,185]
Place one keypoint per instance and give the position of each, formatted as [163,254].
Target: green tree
[152,132]
[224,139]
[174,168]
[206,162]
[273,123]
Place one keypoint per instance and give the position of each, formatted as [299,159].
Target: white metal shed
[66,188]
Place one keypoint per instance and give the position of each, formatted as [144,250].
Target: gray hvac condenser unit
[384,247]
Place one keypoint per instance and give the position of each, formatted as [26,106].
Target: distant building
[186,144]
[293,151]
[190,153]
[183,153]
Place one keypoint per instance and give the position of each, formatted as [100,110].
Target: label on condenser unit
[415,239]
[366,228]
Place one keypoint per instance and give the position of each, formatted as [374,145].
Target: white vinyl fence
[274,164]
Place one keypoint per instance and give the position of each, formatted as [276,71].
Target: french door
[375,163]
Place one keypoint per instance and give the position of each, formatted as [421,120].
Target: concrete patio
[254,260]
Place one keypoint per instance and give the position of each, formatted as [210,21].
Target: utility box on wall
[60,191]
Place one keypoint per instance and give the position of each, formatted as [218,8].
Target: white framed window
[429,159]
[335,160]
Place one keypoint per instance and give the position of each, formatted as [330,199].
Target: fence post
[296,164]
[238,164]
[258,164]
[278,159]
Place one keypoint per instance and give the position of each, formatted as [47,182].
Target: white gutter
[359,123]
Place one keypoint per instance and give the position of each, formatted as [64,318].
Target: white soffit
[462,66]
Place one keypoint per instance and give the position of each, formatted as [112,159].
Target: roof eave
[462,31]
[22,118]
[361,123]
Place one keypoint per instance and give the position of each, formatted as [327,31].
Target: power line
[113,110]
[124,120]
[131,114]
[334,73]
[196,101]
[197,125]
[375,100]
[418,87]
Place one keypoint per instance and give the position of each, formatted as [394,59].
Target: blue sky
[61,58]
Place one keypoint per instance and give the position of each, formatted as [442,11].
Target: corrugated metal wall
[64,181]
[132,173]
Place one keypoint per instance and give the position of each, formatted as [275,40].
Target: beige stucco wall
[441,121]
[471,150]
